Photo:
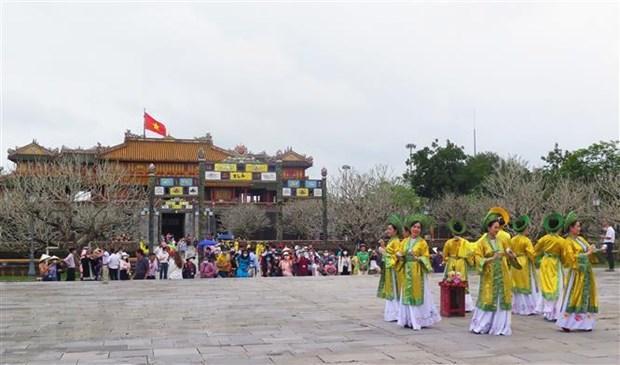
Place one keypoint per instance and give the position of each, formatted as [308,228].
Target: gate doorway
[173,223]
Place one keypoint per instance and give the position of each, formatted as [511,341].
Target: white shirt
[162,255]
[610,235]
[70,261]
[174,272]
[106,257]
[115,261]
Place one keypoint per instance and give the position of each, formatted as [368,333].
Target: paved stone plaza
[305,321]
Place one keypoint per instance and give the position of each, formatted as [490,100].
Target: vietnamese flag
[153,125]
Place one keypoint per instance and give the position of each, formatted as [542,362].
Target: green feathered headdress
[490,217]
[457,227]
[521,223]
[395,220]
[424,220]
[553,222]
[570,218]
[408,221]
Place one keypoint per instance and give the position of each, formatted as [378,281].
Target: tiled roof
[155,150]
[33,149]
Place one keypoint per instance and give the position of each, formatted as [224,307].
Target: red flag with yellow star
[153,125]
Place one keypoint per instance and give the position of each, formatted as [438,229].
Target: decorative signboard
[256,168]
[268,176]
[177,204]
[159,190]
[293,183]
[225,167]
[302,188]
[213,175]
[166,181]
[308,184]
[176,190]
[241,176]
[311,184]
[186,181]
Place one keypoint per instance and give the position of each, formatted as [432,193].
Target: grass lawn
[13,278]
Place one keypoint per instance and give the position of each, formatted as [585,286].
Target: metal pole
[212,224]
[201,194]
[31,271]
[279,200]
[324,201]
[151,207]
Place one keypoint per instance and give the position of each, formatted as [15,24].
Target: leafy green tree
[437,170]
[433,169]
[478,168]
[584,163]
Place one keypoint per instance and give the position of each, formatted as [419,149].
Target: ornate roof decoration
[291,156]
[207,138]
[241,149]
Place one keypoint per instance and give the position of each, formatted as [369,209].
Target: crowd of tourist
[188,259]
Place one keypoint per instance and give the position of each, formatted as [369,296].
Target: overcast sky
[346,83]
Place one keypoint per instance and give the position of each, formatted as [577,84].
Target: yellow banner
[176,205]
[245,176]
[176,190]
[302,192]
[256,168]
[225,167]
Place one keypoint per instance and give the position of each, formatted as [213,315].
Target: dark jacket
[142,267]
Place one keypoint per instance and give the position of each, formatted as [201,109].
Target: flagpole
[143,129]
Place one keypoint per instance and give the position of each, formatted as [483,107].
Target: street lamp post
[324,201]
[279,201]
[212,223]
[31,271]
[596,202]
[410,147]
[151,207]
[201,193]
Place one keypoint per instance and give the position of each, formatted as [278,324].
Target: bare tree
[519,190]
[607,188]
[303,218]
[361,202]
[245,219]
[470,209]
[68,202]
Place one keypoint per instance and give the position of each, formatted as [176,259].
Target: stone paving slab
[330,320]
